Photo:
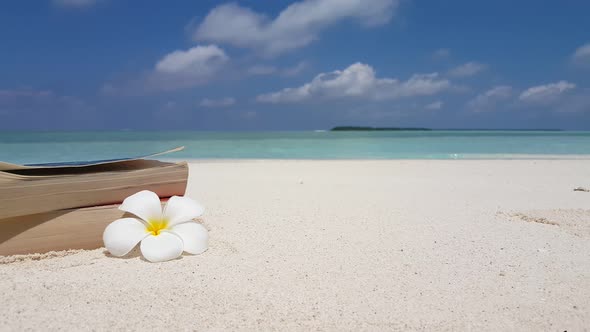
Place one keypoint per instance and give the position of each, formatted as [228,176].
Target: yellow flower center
[155,226]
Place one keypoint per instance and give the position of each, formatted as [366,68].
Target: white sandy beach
[341,245]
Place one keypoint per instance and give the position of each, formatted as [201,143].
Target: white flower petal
[144,204]
[122,235]
[194,236]
[162,247]
[181,209]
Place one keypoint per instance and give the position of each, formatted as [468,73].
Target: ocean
[39,147]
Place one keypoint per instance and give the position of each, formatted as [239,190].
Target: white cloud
[467,69]
[553,97]
[546,93]
[75,3]
[295,70]
[197,60]
[358,81]
[296,26]
[223,102]
[582,55]
[441,53]
[262,70]
[487,101]
[176,70]
[434,105]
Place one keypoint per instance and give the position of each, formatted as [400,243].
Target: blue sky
[300,65]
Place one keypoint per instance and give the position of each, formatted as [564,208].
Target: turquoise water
[23,147]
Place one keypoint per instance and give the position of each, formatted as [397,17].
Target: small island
[360,128]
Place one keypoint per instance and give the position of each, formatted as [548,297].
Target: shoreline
[533,157]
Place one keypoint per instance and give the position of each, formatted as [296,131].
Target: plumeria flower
[164,235]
